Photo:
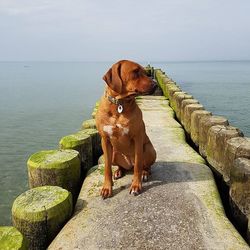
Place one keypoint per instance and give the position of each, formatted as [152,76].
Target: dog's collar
[114,100]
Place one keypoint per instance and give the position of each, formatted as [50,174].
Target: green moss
[101,169]
[165,105]
[94,113]
[138,97]
[89,124]
[42,203]
[89,131]
[97,104]
[12,239]
[82,142]
[74,140]
[101,159]
[53,159]
[92,170]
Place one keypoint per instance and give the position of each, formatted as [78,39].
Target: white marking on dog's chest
[123,129]
[108,129]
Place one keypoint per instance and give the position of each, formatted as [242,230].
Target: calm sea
[42,101]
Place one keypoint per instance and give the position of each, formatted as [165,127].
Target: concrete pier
[179,208]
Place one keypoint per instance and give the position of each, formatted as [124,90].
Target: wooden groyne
[179,208]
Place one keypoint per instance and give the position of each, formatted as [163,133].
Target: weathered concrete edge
[166,84]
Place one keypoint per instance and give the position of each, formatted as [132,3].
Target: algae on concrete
[89,124]
[12,239]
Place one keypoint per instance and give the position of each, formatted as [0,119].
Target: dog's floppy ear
[113,78]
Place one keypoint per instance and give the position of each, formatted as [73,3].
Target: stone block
[205,124]
[235,148]
[188,110]
[217,138]
[195,124]
[184,103]
[176,101]
[239,194]
[171,89]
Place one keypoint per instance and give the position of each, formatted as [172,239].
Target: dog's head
[128,78]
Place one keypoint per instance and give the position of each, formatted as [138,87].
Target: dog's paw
[118,174]
[145,175]
[106,191]
[135,188]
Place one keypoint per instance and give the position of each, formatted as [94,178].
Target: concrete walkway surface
[179,207]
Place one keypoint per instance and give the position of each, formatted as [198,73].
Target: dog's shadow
[162,173]
[171,172]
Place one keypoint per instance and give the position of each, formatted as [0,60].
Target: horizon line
[144,61]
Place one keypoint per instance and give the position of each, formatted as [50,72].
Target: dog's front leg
[108,152]
[137,182]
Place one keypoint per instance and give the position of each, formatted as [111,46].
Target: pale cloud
[113,29]
[24,7]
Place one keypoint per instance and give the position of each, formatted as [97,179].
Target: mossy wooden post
[149,70]
[55,168]
[40,213]
[82,143]
[159,75]
[12,239]
[95,109]
[96,143]
[89,124]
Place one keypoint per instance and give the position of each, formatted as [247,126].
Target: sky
[109,30]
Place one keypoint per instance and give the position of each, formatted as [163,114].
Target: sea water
[40,102]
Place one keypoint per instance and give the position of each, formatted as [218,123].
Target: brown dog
[119,122]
